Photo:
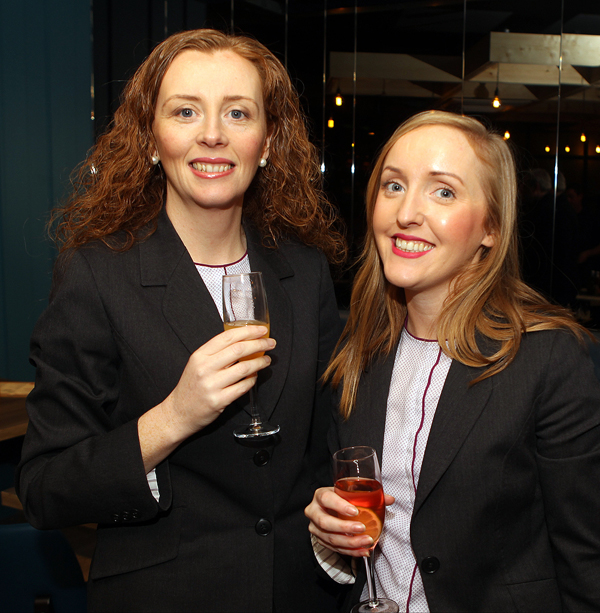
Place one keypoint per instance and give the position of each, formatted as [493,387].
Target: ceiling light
[506,135]
[330,123]
[547,149]
[582,137]
[496,102]
[338,98]
[567,149]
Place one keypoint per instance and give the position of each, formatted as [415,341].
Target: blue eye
[187,113]
[392,186]
[445,193]
[237,114]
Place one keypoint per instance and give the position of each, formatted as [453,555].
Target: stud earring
[262,163]
[155,159]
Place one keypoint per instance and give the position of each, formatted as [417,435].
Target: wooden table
[13,423]
[13,416]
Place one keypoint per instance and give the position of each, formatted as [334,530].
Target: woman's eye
[187,113]
[392,186]
[237,114]
[444,193]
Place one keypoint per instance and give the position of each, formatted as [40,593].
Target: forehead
[218,71]
[437,148]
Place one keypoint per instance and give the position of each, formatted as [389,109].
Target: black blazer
[229,533]
[507,511]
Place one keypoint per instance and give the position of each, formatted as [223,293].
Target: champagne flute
[245,304]
[358,480]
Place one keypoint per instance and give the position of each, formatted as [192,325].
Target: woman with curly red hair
[206,170]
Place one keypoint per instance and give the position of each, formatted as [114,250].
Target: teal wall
[45,131]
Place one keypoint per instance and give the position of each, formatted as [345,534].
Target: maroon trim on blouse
[410,589]
[425,340]
[222,265]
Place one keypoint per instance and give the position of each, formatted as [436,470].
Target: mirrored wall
[531,69]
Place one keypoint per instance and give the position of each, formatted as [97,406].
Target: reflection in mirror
[455,55]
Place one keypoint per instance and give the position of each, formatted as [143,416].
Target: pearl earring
[155,159]
[262,163]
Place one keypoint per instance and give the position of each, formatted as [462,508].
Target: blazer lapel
[187,305]
[274,268]
[367,426]
[458,409]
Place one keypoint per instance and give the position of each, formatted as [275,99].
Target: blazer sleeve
[568,458]
[81,459]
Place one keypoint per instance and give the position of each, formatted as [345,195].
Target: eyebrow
[198,99]
[433,173]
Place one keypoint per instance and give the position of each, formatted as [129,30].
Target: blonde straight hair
[487,297]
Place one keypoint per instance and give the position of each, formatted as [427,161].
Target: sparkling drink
[367,496]
[240,323]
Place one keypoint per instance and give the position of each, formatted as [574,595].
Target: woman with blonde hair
[477,394]
[206,170]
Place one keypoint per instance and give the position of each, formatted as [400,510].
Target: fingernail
[358,528]
[272,343]
[368,542]
[351,511]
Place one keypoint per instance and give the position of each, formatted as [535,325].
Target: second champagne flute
[358,480]
[245,304]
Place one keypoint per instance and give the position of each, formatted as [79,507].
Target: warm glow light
[547,149]
[567,148]
[496,103]
[506,135]
[330,123]
[597,148]
[339,100]
[583,139]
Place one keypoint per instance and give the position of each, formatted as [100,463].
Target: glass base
[384,605]
[256,431]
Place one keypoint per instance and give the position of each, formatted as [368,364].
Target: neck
[422,317]
[211,236]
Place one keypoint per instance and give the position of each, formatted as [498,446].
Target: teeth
[412,246]
[211,167]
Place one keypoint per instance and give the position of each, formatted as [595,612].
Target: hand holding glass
[245,304]
[358,480]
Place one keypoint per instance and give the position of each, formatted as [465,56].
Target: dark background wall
[63,65]
[45,130]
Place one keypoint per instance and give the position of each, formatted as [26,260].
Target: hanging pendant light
[496,102]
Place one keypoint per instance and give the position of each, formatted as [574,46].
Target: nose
[411,209]
[212,132]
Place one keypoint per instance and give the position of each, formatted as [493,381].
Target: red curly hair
[117,189]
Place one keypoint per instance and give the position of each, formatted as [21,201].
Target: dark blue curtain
[45,131]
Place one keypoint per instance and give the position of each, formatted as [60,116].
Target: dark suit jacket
[229,532]
[507,511]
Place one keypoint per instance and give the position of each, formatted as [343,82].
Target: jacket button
[125,516]
[263,527]
[135,514]
[116,518]
[261,457]
[430,565]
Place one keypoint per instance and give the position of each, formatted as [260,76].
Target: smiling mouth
[413,246]
[211,167]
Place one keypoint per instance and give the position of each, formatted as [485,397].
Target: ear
[488,240]
[266,148]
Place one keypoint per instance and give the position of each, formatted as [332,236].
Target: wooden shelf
[10,499]
[81,538]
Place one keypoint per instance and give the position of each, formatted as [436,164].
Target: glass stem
[370,566]
[254,414]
